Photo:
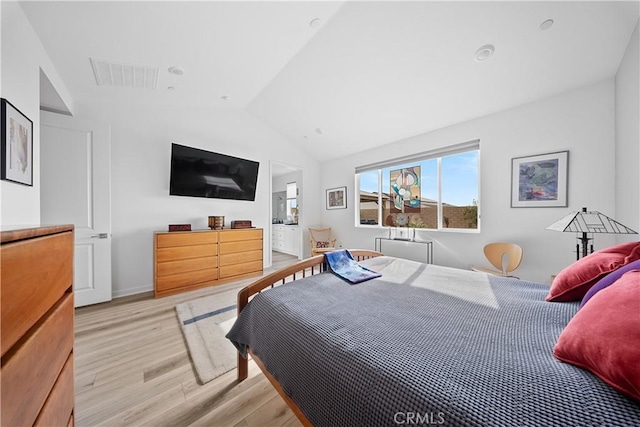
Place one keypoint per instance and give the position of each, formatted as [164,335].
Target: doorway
[286,211]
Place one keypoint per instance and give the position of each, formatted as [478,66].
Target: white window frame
[437,154]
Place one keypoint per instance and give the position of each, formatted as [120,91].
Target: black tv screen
[200,173]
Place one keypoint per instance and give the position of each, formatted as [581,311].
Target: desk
[415,250]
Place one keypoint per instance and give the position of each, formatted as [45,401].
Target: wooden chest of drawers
[37,326]
[188,260]
[240,253]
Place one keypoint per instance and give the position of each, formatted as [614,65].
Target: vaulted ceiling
[338,77]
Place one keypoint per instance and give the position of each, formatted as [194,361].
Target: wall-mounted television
[201,173]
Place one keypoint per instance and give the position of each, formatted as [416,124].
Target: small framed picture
[337,198]
[16,145]
[539,181]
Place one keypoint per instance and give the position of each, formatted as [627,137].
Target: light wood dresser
[187,260]
[36,299]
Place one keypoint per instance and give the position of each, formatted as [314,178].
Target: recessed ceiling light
[546,24]
[484,52]
[176,71]
[315,23]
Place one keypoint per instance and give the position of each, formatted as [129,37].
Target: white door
[75,176]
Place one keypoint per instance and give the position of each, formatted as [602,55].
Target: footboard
[304,268]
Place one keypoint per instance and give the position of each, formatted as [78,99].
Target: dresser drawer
[59,405]
[239,235]
[185,252]
[241,257]
[185,265]
[35,273]
[185,261]
[236,247]
[240,269]
[30,370]
[186,239]
[179,280]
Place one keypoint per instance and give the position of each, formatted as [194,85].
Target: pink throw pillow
[604,336]
[572,283]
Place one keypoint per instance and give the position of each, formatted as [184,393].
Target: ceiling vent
[111,74]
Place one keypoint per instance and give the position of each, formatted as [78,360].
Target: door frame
[273,165]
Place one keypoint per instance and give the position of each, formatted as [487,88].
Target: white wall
[627,125]
[22,57]
[280,182]
[1,50]
[580,121]
[141,205]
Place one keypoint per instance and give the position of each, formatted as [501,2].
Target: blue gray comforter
[424,345]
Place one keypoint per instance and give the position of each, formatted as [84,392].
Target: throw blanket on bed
[425,343]
[342,264]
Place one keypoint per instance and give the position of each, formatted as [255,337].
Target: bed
[422,344]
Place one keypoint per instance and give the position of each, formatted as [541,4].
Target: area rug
[205,322]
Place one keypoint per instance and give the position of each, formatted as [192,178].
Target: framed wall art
[540,181]
[16,145]
[337,198]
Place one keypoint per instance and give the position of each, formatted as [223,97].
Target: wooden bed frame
[304,268]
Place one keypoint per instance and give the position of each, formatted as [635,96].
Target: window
[292,190]
[292,202]
[434,190]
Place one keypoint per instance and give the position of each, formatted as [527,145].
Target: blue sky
[459,179]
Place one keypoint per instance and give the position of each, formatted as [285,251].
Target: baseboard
[131,291]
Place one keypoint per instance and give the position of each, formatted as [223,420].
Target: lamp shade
[589,222]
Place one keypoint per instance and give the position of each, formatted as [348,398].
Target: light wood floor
[132,368]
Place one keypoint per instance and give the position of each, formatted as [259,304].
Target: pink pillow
[574,281]
[604,336]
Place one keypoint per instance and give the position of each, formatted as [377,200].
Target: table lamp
[588,222]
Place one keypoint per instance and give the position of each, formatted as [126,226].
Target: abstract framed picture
[337,198]
[540,181]
[16,145]
[405,189]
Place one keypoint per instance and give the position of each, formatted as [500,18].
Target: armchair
[321,240]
